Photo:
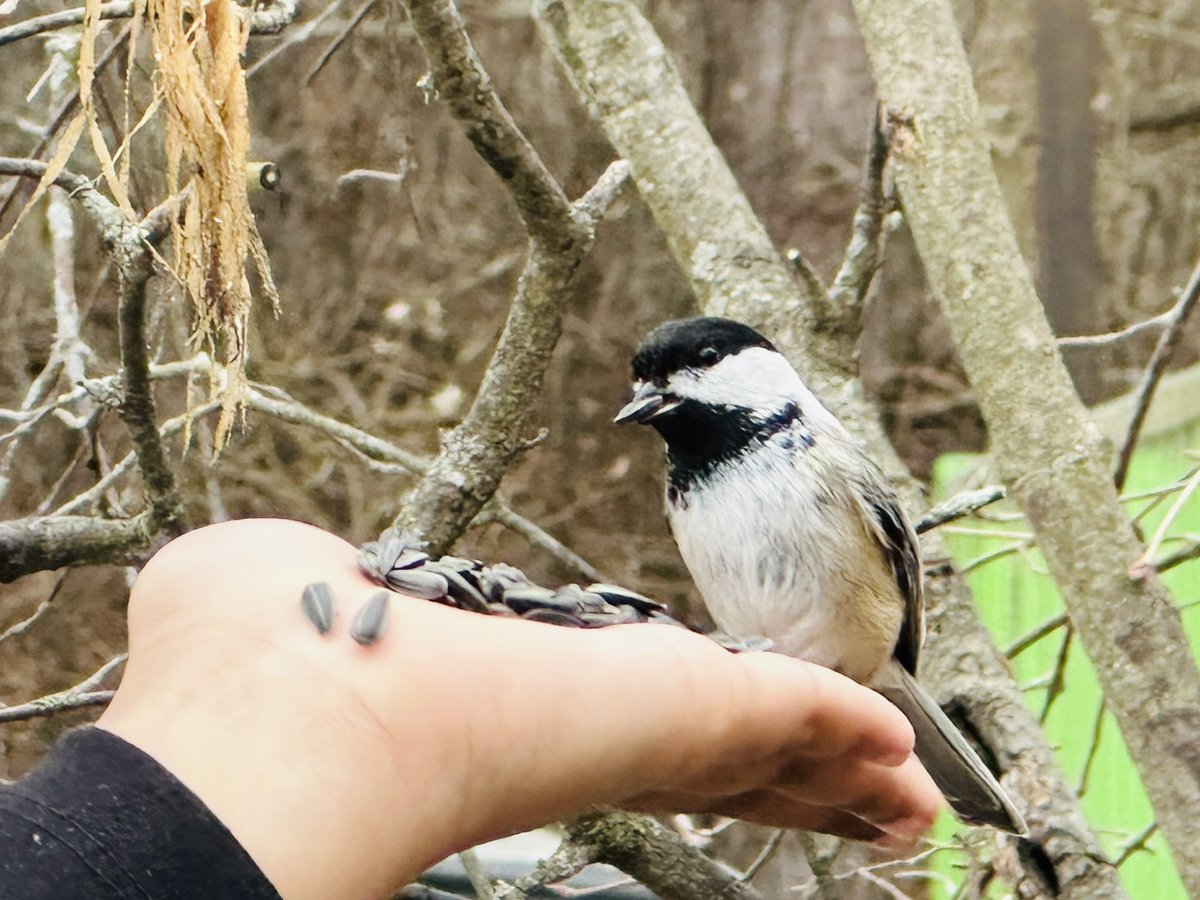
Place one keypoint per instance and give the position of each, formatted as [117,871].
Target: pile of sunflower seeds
[396,561]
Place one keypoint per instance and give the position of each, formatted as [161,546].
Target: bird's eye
[709,355]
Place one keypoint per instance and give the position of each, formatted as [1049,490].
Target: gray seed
[614,615]
[619,596]
[554,617]
[418,583]
[317,602]
[583,601]
[409,558]
[499,609]
[392,551]
[464,594]
[371,621]
[529,597]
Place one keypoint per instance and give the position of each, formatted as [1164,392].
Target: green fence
[1015,596]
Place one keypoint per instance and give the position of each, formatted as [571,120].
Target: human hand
[345,770]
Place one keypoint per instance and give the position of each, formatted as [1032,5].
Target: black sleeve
[99,819]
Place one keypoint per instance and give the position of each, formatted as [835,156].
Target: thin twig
[268,19]
[385,456]
[764,855]
[338,40]
[1093,747]
[992,556]
[370,445]
[354,175]
[1155,324]
[297,36]
[958,506]
[126,243]
[36,393]
[1058,676]
[169,428]
[1135,844]
[890,889]
[1184,554]
[91,388]
[60,118]
[120,9]
[539,538]
[25,624]
[1023,643]
[1145,564]
[802,268]
[1163,351]
[863,253]
[79,695]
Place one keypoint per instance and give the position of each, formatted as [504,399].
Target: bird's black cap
[692,343]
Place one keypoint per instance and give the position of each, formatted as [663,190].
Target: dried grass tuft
[197,49]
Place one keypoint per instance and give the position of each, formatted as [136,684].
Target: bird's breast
[781,554]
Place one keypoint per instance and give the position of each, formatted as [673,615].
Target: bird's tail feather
[970,788]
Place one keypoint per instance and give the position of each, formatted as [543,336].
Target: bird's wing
[902,551]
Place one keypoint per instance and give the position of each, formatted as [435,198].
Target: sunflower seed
[370,622]
[418,583]
[619,596]
[317,602]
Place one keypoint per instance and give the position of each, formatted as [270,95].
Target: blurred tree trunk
[1146,187]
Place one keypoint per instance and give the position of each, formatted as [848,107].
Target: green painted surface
[1014,595]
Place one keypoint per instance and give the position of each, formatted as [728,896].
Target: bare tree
[179,381]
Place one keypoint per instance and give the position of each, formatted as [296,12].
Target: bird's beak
[647,403]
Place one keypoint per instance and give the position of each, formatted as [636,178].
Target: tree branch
[38,544]
[1163,351]
[863,254]
[1155,323]
[137,405]
[80,695]
[476,454]
[120,9]
[657,857]
[1060,476]
[568,859]
[958,506]
[59,119]
[465,86]
[127,246]
[268,19]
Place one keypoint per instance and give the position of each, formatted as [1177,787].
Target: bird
[792,533]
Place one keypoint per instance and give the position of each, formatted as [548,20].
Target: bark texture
[657,857]
[1144,103]
[1061,476]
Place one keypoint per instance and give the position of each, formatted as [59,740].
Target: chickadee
[792,533]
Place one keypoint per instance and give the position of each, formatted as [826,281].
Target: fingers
[746,720]
[787,743]
[893,805]
[830,715]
